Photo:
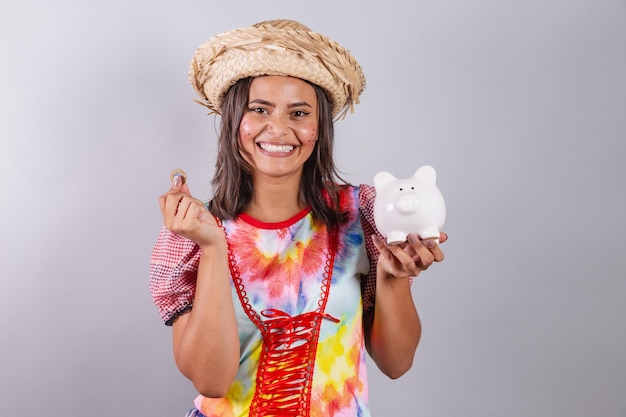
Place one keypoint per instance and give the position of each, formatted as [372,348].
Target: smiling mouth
[268,147]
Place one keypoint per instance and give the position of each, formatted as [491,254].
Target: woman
[278,286]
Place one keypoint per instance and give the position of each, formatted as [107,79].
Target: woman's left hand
[392,328]
[408,259]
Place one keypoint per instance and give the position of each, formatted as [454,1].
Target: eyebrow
[268,103]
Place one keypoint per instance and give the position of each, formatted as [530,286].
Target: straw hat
[276,47]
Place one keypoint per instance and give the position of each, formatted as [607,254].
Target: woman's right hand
[188,216]
[205,338]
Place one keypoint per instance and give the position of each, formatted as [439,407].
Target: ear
[427,174]
[382,178]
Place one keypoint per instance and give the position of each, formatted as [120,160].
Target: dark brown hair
[232,183]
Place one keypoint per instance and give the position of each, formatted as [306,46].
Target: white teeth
[268,147]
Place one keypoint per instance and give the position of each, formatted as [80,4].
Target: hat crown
[285,24]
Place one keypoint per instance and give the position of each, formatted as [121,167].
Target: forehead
[278,89]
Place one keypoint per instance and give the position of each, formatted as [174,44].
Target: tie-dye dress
[298,302]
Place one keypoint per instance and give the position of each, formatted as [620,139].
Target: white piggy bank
[409,205]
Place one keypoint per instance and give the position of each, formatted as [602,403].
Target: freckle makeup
[178,176]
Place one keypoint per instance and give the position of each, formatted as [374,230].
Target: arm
[392,327]
[205,339]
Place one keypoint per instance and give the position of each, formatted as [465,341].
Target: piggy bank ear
[427,174]
[383,178]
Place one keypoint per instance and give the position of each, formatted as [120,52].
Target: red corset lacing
[287,361]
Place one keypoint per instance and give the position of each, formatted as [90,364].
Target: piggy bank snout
[407,203]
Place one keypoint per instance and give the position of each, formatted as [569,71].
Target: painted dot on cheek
[243,132]
[243,129]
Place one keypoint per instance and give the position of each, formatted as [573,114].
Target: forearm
[206,341]
[395,328]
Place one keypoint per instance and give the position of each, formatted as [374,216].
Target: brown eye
[259,110]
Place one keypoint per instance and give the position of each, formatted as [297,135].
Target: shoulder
[366,197]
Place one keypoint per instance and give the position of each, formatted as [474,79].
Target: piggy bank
[409,205]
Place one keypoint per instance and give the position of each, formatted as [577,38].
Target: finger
[401,260]
[180,187]
[162,203]
[443,237]
[426,258]
[174,207]
[194,211]
[175,193]
[168,203]
[183,207]
[434,248]
[380,245]
[389,264]
[408,259]
[410,250]
[182,216]
[186,218]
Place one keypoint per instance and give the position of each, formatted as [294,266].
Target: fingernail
[430,243]
[178,177]
[412,238]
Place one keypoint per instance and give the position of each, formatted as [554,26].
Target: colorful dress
[297,288]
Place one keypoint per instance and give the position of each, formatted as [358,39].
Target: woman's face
[279,127]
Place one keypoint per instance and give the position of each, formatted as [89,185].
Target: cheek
[245,131]
[310,137]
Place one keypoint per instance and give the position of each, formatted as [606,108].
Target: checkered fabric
[367,193]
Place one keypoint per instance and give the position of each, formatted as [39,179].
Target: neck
[275,201]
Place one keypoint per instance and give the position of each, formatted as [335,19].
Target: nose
[407,203]
[276,126]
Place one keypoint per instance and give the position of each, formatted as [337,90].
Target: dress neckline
[275,225]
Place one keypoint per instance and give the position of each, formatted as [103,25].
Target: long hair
[232,183]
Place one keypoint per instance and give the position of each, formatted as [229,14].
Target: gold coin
[178,173]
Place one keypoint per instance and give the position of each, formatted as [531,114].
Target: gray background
[520,105]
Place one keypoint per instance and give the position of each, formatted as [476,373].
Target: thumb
[179,182]
[180,188]
[185,189]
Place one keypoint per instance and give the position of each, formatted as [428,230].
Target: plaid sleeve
[173,271]
[367,193]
